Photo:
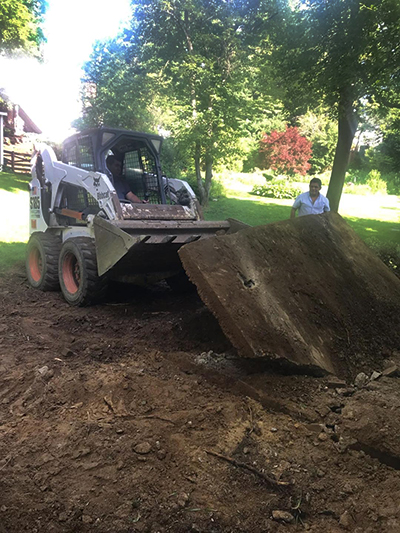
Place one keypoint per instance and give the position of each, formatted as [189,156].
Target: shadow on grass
[13,182]
[11,254]
[378,230]
[251,212]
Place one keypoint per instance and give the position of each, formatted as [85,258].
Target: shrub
[393,183]
[321,131]
[286,152]
[375,182]
[276,188]
[217,187]
[388,252]
[357,176]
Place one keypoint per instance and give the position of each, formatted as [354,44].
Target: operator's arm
[293,213]
[134,199]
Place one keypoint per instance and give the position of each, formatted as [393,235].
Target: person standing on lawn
[311,202]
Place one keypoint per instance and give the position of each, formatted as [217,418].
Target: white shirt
[306,207]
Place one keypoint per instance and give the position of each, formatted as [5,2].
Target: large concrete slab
[306,290]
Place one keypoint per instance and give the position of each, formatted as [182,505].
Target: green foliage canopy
[189,67]
[20,24]
[339,52]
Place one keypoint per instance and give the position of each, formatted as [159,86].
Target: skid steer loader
[82,235]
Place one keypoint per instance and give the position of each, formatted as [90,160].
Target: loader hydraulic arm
[96,184]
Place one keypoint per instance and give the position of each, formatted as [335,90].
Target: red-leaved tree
[286,152]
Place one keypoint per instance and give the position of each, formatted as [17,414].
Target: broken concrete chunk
[375,375]
[361,380]
[317,428]
[43,371]
[287,273]
[391,371]
[336,383]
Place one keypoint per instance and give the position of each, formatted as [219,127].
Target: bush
[217,187]
[388,252]
[376,183]
[393,183]
[276,188]
[357,176]
[317,127]
[286,152]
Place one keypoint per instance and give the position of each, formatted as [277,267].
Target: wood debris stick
[7,460]
[269,481]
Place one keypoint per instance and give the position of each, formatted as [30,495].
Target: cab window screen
[72,156]
[86,153]
[140,171]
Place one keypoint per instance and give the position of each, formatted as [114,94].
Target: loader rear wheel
[80,283]
[42,255]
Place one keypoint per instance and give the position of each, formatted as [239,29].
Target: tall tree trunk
[209,176]
[197,158]
[347,126]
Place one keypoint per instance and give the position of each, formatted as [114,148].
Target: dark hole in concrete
[248,283]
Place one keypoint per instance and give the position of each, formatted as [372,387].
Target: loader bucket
[306,291]
[143,251]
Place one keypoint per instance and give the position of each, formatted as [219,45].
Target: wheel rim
[71,273]
[35,264]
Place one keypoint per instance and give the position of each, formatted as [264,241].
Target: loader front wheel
[42,255]
[80,283]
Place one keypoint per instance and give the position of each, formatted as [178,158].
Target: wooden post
[2,114]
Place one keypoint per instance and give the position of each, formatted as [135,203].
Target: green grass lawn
[373,216]
[14,218]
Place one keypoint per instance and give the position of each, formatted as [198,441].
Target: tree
[198,49]
[320,130]
[340,52]
[286,152]
[20,24]
[193,65]
[116,90]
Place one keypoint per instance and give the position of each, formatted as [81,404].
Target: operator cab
[137,152]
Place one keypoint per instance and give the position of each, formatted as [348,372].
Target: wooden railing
[17,162]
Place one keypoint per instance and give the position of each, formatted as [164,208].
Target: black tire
[180,283]
[79,281]
[42,256]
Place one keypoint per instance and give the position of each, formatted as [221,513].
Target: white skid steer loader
[83,235]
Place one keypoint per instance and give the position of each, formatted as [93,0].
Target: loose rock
[346,520]
[361,380]
[143,448]
[283,516]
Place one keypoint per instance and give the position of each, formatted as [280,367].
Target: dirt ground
[138,416]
